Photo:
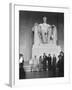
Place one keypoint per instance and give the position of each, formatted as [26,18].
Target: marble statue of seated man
[44,29]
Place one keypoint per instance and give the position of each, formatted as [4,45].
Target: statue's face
[44,19]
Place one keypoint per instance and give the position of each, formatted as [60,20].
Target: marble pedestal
[52,49]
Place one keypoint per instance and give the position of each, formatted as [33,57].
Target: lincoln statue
[44,33]
[44,30]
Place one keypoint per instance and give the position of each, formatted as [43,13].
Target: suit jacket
[49,60]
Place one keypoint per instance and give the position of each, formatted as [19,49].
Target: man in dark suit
[54,62]
[60,64]
[62,55]
[44,61]
[54,65]
[21,67]
[49,61]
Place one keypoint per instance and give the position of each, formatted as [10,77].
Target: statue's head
[44,19]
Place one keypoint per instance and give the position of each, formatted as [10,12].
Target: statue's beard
[44,22]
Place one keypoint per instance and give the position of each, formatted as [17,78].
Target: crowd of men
[48,63]
[45,63]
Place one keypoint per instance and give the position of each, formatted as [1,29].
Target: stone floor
[42,74]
